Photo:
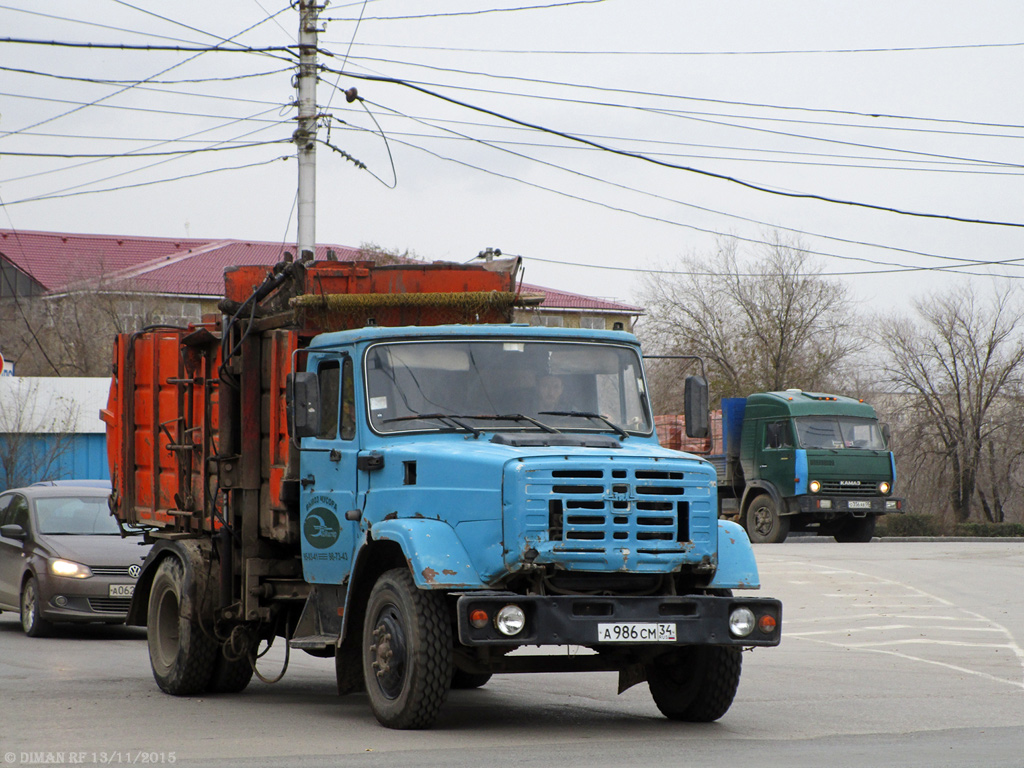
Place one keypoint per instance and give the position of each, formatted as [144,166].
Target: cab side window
[777,434]
[329,375]
[348,401]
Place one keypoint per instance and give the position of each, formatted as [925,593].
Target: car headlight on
[814,485]
[70,569]
[884,487]
[510,620]
[741,622]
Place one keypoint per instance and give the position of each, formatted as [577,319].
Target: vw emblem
[135,571]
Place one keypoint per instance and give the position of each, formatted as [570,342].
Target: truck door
[778,452]
[329,478]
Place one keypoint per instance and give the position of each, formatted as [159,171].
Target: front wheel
[698,684]
[407,652]
[32,621]
[763,522]
[182,657]
[857,530]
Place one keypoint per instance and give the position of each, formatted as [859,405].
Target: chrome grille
[109,570]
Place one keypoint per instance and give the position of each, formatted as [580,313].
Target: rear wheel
[698,684]
[407,652]
[763,522]
[32,621]
[182,657]
[858,530]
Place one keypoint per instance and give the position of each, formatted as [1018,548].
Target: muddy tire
[466,680]
[407,652]
[183,658]
[857,530]
[32,621]
[698,685]
[230,675]
[763,522]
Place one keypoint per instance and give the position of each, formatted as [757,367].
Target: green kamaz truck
[802,461]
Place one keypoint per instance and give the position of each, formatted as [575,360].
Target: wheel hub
[388,651]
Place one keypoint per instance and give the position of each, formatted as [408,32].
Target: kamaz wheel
[32,621]
[182,657]
[407,652]
[698,684]
[230,675]
[858,530]
[763,522]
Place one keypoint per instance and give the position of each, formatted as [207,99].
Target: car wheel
[407,652]
[32,620]
[183,658]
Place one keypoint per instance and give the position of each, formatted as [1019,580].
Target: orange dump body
[182,427]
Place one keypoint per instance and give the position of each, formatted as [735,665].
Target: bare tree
[763,323]
[956,370]
[36,433]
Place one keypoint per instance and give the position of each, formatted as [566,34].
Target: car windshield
[839,432]
[507,385]
[77,515]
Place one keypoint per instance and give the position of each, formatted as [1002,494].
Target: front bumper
[818,504]
[584,620]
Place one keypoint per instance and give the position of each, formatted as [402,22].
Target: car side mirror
[13,531]
[302,404]
[886,433]
[695,406]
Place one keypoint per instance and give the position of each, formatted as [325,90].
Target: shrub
[910,525]
[990,529]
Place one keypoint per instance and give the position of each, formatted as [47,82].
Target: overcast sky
[914,106]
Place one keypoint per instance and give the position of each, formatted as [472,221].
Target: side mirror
[695,406]
[886,433]
[13,531]
[302,404]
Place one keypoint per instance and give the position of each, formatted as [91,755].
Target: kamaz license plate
[121,590]
[636,632]
[859,504]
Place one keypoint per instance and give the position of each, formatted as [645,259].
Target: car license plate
[859,504]
[636,632]
[121,590]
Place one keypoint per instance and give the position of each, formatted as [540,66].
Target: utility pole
[305,132]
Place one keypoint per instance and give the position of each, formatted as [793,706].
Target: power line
[207,172]
[291,49]
[184,81]
[79,156]
[448,14]
[689,169]
[713,211]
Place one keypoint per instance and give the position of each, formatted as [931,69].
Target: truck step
[313,642]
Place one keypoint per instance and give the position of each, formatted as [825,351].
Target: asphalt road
[894,654]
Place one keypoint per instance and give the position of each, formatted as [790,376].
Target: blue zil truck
[373,464]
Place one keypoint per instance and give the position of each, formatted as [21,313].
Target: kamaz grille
[835,488]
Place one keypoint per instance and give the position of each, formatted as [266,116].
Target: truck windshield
[505,384]
[839,432]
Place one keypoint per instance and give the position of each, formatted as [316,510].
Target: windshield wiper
[515,417]
[446,418]
[588,415]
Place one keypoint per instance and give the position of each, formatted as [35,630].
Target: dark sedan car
[62,557]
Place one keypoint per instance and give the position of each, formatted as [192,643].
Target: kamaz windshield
[839,432]
[506,385]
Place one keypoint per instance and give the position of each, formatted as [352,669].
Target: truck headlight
[741,622]
[510,620]
[884,488]
[814,486]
